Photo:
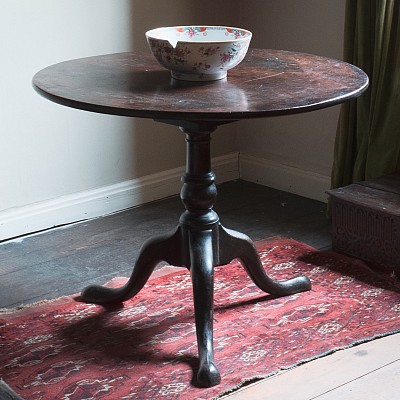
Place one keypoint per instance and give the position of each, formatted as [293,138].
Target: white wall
[293,153]
[47,150]
[58,164]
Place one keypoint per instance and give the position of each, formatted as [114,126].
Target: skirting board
[284,177]
[105,200]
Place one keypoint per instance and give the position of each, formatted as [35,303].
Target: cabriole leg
[155,250]
[237,245]
[202,272]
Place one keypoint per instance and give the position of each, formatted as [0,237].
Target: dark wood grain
[266,83]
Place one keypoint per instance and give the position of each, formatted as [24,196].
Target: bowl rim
[248,35]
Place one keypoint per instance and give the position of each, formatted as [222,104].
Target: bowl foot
[197,77]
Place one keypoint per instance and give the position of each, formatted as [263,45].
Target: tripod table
[267,83]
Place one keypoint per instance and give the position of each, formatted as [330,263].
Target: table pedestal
[199,243]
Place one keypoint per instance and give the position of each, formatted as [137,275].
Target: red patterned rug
[147,348]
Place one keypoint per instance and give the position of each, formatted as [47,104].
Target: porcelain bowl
[199,53]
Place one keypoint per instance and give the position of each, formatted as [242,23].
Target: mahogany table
[266,83]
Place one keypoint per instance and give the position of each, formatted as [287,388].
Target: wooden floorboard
[370,371]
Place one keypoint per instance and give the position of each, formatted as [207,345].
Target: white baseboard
[105,200]
[284,177]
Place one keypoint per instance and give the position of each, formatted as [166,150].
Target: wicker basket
[366,221]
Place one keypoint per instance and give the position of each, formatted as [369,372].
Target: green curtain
[368,134]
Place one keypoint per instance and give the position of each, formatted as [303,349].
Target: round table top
[266,83]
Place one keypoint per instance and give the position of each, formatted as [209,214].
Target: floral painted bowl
[199,53]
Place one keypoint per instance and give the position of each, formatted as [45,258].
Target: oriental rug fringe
[147,349]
